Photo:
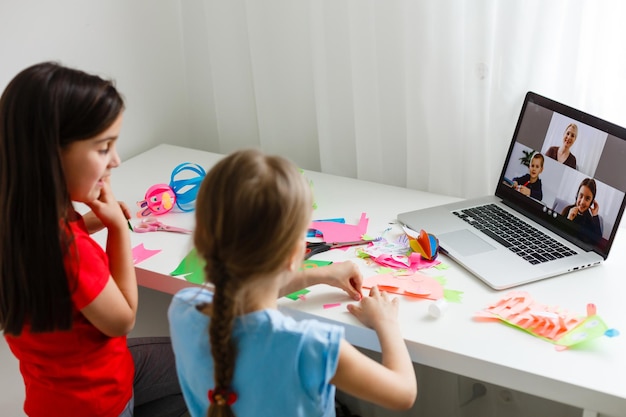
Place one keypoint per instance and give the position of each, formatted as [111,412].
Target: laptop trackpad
[465,243]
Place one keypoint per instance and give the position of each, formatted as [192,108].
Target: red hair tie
[222,396]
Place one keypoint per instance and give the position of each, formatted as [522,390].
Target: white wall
[138,43]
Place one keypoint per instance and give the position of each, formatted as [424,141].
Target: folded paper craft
[551,323]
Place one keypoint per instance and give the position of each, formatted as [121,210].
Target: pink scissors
[151,224]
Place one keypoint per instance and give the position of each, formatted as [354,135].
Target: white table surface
[592,377]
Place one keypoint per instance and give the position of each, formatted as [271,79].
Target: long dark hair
[43,109]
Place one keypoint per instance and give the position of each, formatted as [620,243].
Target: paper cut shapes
[333,231]
[309,263]
[191,268]
[413,284]
[315,233]
[423,243]
[140,253]
[298,295]
[552,324]
[395,253]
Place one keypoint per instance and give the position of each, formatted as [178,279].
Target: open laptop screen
[567,170]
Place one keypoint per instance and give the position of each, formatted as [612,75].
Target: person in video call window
[530,184]
[584,212]
[562,153]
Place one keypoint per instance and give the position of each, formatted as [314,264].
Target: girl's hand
[94,224]
[377,310]
[344,275]
[573,212]
[108,210]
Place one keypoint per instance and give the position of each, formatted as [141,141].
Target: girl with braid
[236,353]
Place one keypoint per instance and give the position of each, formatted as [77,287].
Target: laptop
[551,212]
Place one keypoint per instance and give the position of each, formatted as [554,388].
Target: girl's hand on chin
[110,212]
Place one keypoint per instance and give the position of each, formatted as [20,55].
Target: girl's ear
[295,259]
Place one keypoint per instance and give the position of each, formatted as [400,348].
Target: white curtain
[422,94]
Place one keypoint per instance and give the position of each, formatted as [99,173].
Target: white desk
[592,377]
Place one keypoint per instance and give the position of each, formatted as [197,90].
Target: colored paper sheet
[307,264]
[298,295]
[140,253]
[314,233]
[339,232]
[414,285]
[191,268]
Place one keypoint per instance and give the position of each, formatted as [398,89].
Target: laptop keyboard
[516,235]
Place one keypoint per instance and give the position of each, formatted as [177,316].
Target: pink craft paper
[332,305]
[341,232]
[140,253]
[519,309]
[412,262]
[416,285]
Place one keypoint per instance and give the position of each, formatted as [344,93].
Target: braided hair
[251,212]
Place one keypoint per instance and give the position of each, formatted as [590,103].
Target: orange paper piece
[415,285]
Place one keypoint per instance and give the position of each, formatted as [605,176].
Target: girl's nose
[115,160]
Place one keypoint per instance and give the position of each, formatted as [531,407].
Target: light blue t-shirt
[283,366]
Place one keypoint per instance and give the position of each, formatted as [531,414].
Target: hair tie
[222,396]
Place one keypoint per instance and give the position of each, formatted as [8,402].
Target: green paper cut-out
[452,296]
[296,295]
[310,263]
[191,268]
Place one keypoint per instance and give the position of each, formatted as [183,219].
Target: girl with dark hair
[584,212]
[66,305]
[252,214]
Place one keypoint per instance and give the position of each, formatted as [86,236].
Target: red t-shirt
[80,371]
